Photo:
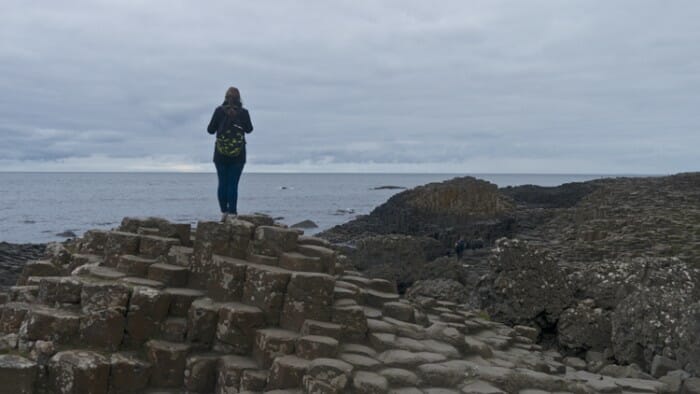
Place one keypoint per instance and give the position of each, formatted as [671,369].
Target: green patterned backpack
[229,138]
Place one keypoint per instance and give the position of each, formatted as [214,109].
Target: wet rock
[305,224]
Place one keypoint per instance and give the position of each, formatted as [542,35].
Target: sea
[42,207]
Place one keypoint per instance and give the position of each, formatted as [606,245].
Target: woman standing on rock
[230,122]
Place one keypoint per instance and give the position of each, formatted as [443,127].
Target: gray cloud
[479,86]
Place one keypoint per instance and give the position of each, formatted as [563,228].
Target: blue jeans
[229,174]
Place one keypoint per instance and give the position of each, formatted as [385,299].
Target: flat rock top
[12,362]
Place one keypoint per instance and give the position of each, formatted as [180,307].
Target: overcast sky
[398,86]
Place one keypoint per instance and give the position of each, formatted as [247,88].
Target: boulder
[524,286]
[584,327]
[640,325]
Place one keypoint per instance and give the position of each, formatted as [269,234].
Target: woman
[230,123]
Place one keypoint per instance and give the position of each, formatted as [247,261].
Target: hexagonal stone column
[17,374]
[78,372]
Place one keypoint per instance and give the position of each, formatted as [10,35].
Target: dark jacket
[241,119]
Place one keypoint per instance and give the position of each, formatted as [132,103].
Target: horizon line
[354,173]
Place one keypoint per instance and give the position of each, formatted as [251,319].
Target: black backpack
[229,138]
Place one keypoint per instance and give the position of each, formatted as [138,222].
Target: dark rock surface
[13,257]
[608,266]
[440,210]
[524,285]
[304,224]
[388,187]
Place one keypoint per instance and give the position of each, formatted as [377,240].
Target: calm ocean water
[35,207]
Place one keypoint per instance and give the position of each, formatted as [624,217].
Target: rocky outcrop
[256,308]
[398,238]
[525,285]
[608,252]
[465,206]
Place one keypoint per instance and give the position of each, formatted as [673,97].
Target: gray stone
[364,382]
[79,371]
[237,325]
[168,360]
[17,374]
[287,372]
[661,365]
[128,373]
[327,376]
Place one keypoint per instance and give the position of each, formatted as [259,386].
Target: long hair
[232,101]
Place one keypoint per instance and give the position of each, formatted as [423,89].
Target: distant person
[230,122]
[460,245]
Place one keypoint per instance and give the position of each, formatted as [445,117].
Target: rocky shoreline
[249,306]
[606,267]
[584,288]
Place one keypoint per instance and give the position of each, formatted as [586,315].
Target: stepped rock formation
[247,306]
[609,266]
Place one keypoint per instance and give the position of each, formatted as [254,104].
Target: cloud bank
[396,86]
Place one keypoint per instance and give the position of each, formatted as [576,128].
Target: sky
[353,86]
